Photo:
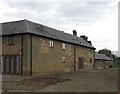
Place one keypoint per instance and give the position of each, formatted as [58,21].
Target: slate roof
[102,57]
[25,26]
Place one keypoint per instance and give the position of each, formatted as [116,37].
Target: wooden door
[80,63]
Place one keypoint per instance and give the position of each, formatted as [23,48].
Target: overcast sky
[97,19]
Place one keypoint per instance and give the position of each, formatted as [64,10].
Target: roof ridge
[58,31]
[15,21]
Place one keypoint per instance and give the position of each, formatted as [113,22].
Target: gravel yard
[34,83]
[83,81]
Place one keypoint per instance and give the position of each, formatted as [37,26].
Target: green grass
[116,64]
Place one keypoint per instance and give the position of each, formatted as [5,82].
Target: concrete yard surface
[105,80]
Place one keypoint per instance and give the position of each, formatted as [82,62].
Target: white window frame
[51,43]
[10,40]
[63,46]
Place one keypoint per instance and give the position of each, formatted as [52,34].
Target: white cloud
[95,18]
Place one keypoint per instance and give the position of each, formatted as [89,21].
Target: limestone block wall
[87,54]
[47,59]
[102,64]
[37,57]
[11,49]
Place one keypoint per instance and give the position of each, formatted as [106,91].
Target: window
[63,59]
[1,64]
[90,51]
[90,60]
[51,43]
[11,40]
[63,46]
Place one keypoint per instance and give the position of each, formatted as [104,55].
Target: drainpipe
[21,56]
[31,55]
[74,58]
[94,60]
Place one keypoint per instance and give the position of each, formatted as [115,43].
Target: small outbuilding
[102,61]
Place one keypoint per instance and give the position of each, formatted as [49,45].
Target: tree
[106,52]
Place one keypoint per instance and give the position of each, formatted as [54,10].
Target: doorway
[80,63]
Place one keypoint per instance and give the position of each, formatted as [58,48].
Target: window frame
[11,40]
[51,43]
[63,46]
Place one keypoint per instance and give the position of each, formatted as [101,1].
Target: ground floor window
[10,64]
[90,60]
[1,64]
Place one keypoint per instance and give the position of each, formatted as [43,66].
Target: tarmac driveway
[83,81]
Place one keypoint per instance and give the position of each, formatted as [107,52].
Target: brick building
[30,48]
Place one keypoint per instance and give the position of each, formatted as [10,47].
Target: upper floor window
[63,59]
[11,40]
[51,43]
[63,46]
[90,51]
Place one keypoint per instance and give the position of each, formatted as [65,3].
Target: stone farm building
[102,61]
[30,48]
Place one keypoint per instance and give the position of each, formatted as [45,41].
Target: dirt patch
[32,84]
[105,80]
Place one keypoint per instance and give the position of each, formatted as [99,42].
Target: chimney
[84,37]
[75,32]
[89,42]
